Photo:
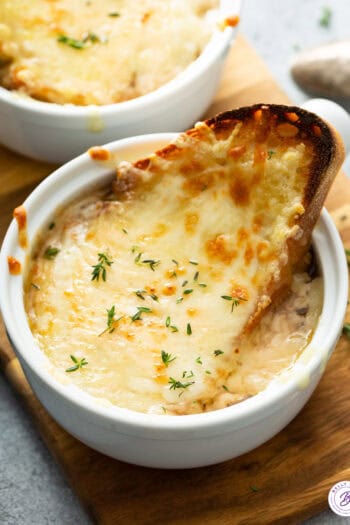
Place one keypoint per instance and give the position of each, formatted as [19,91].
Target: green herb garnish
[346,329]
[235,300]
[218,352]
[326,16]
[152,263]
[72,42]
[168,324]
[111,321]
[99,269]
[199,361]
[140,311]
[35,286]
[114,14]
[167,358]
[270,153]
[196,275]
[78,363]
[51,252]
[52,225]
[138,257]
[179,300]
[225,388]
[253,488]
[140,293]
[193,262]
[187,292]
[174,384]
[189,329]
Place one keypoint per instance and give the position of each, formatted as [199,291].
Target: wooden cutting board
[285,480]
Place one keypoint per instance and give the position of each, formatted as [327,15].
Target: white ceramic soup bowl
[57,133]
[161,440]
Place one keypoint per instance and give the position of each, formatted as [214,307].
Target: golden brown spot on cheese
[293,117]
[195,185]
[161,379]
[237,151]
[192,312]
[191,221]
[287,130]
[263,251]
[14,265]
[239,191]
[20,215]
[248,254]
[188,168]
[171,151]
[239,291]
[142,164]
[169,289]
[242,235]
[317,130]
[218,249]
[236,350]
[257,224]
[259,155]
[146,16]
[98,153]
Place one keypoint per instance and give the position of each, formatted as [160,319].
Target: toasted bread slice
[246,189]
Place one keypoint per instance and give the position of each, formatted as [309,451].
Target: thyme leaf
[51,252]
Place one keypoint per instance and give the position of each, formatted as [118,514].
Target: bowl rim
[331,254]
[219,42]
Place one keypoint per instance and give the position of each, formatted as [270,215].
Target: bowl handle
[335,114]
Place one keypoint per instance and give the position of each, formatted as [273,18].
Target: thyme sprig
[175,384]
[167,358]
[235,300]
[78,363]
[100,269]
[111,320]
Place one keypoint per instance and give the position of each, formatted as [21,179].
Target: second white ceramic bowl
[156,440]
[57,133]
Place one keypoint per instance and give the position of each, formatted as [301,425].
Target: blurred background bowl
[57,133]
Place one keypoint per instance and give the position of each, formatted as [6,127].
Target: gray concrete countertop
[32,487]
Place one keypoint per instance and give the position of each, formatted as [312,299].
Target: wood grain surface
[282,482]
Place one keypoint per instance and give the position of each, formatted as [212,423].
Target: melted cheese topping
[98,52]
[165,272]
